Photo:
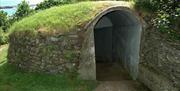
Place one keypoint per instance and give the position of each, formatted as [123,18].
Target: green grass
[13,79]
[63,18]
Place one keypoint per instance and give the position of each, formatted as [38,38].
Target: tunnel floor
[110,72]
[112,77]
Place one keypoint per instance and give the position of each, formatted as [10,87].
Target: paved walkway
[2,47]
[113,77]
[120,86]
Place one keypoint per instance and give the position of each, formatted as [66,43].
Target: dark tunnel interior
[117,40]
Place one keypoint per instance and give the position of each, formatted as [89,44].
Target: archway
[117,41]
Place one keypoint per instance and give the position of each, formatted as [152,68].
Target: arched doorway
[117,42]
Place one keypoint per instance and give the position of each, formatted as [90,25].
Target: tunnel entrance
[117,40]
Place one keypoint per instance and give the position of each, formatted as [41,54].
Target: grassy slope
[64,18]
[13,79]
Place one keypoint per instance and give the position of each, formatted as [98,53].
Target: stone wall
[44,53]
[160,61]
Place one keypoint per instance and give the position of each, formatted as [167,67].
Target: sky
[34,1]
[15,3]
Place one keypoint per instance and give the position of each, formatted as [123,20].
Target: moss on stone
[70,55]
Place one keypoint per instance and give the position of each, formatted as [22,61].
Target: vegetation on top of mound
[50,3]
[64,18]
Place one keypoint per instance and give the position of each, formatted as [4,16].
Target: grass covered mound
[64,18]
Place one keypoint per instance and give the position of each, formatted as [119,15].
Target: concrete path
[2,47]
[120,86]
[113,77]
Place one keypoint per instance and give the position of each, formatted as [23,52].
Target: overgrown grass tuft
[13,79]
